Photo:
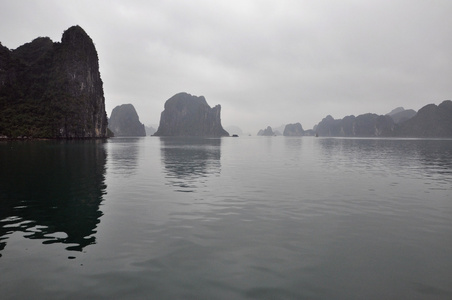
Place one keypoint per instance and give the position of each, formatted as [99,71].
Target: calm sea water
[230,218]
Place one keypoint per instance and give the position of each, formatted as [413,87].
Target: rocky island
[52,90]
[431,121]
[266,132]
[187,115]
[293,130]
[124,121]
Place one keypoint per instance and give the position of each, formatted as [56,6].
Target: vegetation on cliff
[52,90]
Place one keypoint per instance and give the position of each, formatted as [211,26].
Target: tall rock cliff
[187,115]
[124,121]
[52,90]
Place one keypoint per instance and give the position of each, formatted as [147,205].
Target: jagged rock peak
[266,132]
[74,34]
[188,115]
[185,100]
[396,110]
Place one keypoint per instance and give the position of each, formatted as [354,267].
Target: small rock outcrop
[293,130]
[52,90]
[187,115]
[124,121]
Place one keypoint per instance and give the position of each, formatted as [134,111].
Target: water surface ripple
[228,218]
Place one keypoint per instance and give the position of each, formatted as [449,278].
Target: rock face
[187,115]
[266,132]
[366,125]
[124,121]
[293,130]
[430,121]
[52,90]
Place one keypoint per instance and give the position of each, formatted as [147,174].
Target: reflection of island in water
[189,161]
[52,190]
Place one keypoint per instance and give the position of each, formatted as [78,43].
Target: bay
[228,218]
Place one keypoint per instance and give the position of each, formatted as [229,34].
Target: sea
[226,218]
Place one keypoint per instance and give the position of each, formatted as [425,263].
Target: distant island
[293,130]
[266,132]
[124,121]
[431,121]
[52,90]
[187,115]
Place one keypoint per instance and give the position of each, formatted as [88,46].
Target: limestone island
[52,90]
[187,115]
[124,121]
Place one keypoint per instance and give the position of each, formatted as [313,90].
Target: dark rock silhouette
[124,121]
[187,115]
[293,130]
[430,121]
[328,127]
[52,90]
[366,125]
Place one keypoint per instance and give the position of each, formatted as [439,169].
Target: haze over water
[230,218]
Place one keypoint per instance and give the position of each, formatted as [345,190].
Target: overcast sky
[266,62]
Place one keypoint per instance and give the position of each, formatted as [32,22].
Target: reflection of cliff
[189,161]
[52,191]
